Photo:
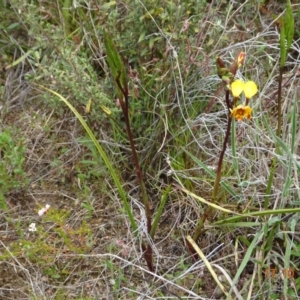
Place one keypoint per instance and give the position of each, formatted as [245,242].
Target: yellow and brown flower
[241,112]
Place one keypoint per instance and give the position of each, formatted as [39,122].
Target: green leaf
[116,65]
[289,25]
[23,57]
[13,25]
[142,37]
[108,5]
[257,214]
[286,33]
[159,212]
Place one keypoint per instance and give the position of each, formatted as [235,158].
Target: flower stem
[199,229]
[139,174]
[124,105]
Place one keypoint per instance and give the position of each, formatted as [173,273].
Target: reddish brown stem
[200,226]
[124,105]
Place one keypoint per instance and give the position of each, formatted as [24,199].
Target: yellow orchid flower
[250,89]
[237,87]
[241,112]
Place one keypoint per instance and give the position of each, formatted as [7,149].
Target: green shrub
[12,174]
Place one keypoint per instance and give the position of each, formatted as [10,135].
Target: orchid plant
[237,109]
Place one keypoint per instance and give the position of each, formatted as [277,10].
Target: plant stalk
[199,229]
[139,174]
[124,105]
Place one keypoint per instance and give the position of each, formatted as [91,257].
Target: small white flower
[170,172]
[32,227]
[168,161]
[43,210]
[175,55]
